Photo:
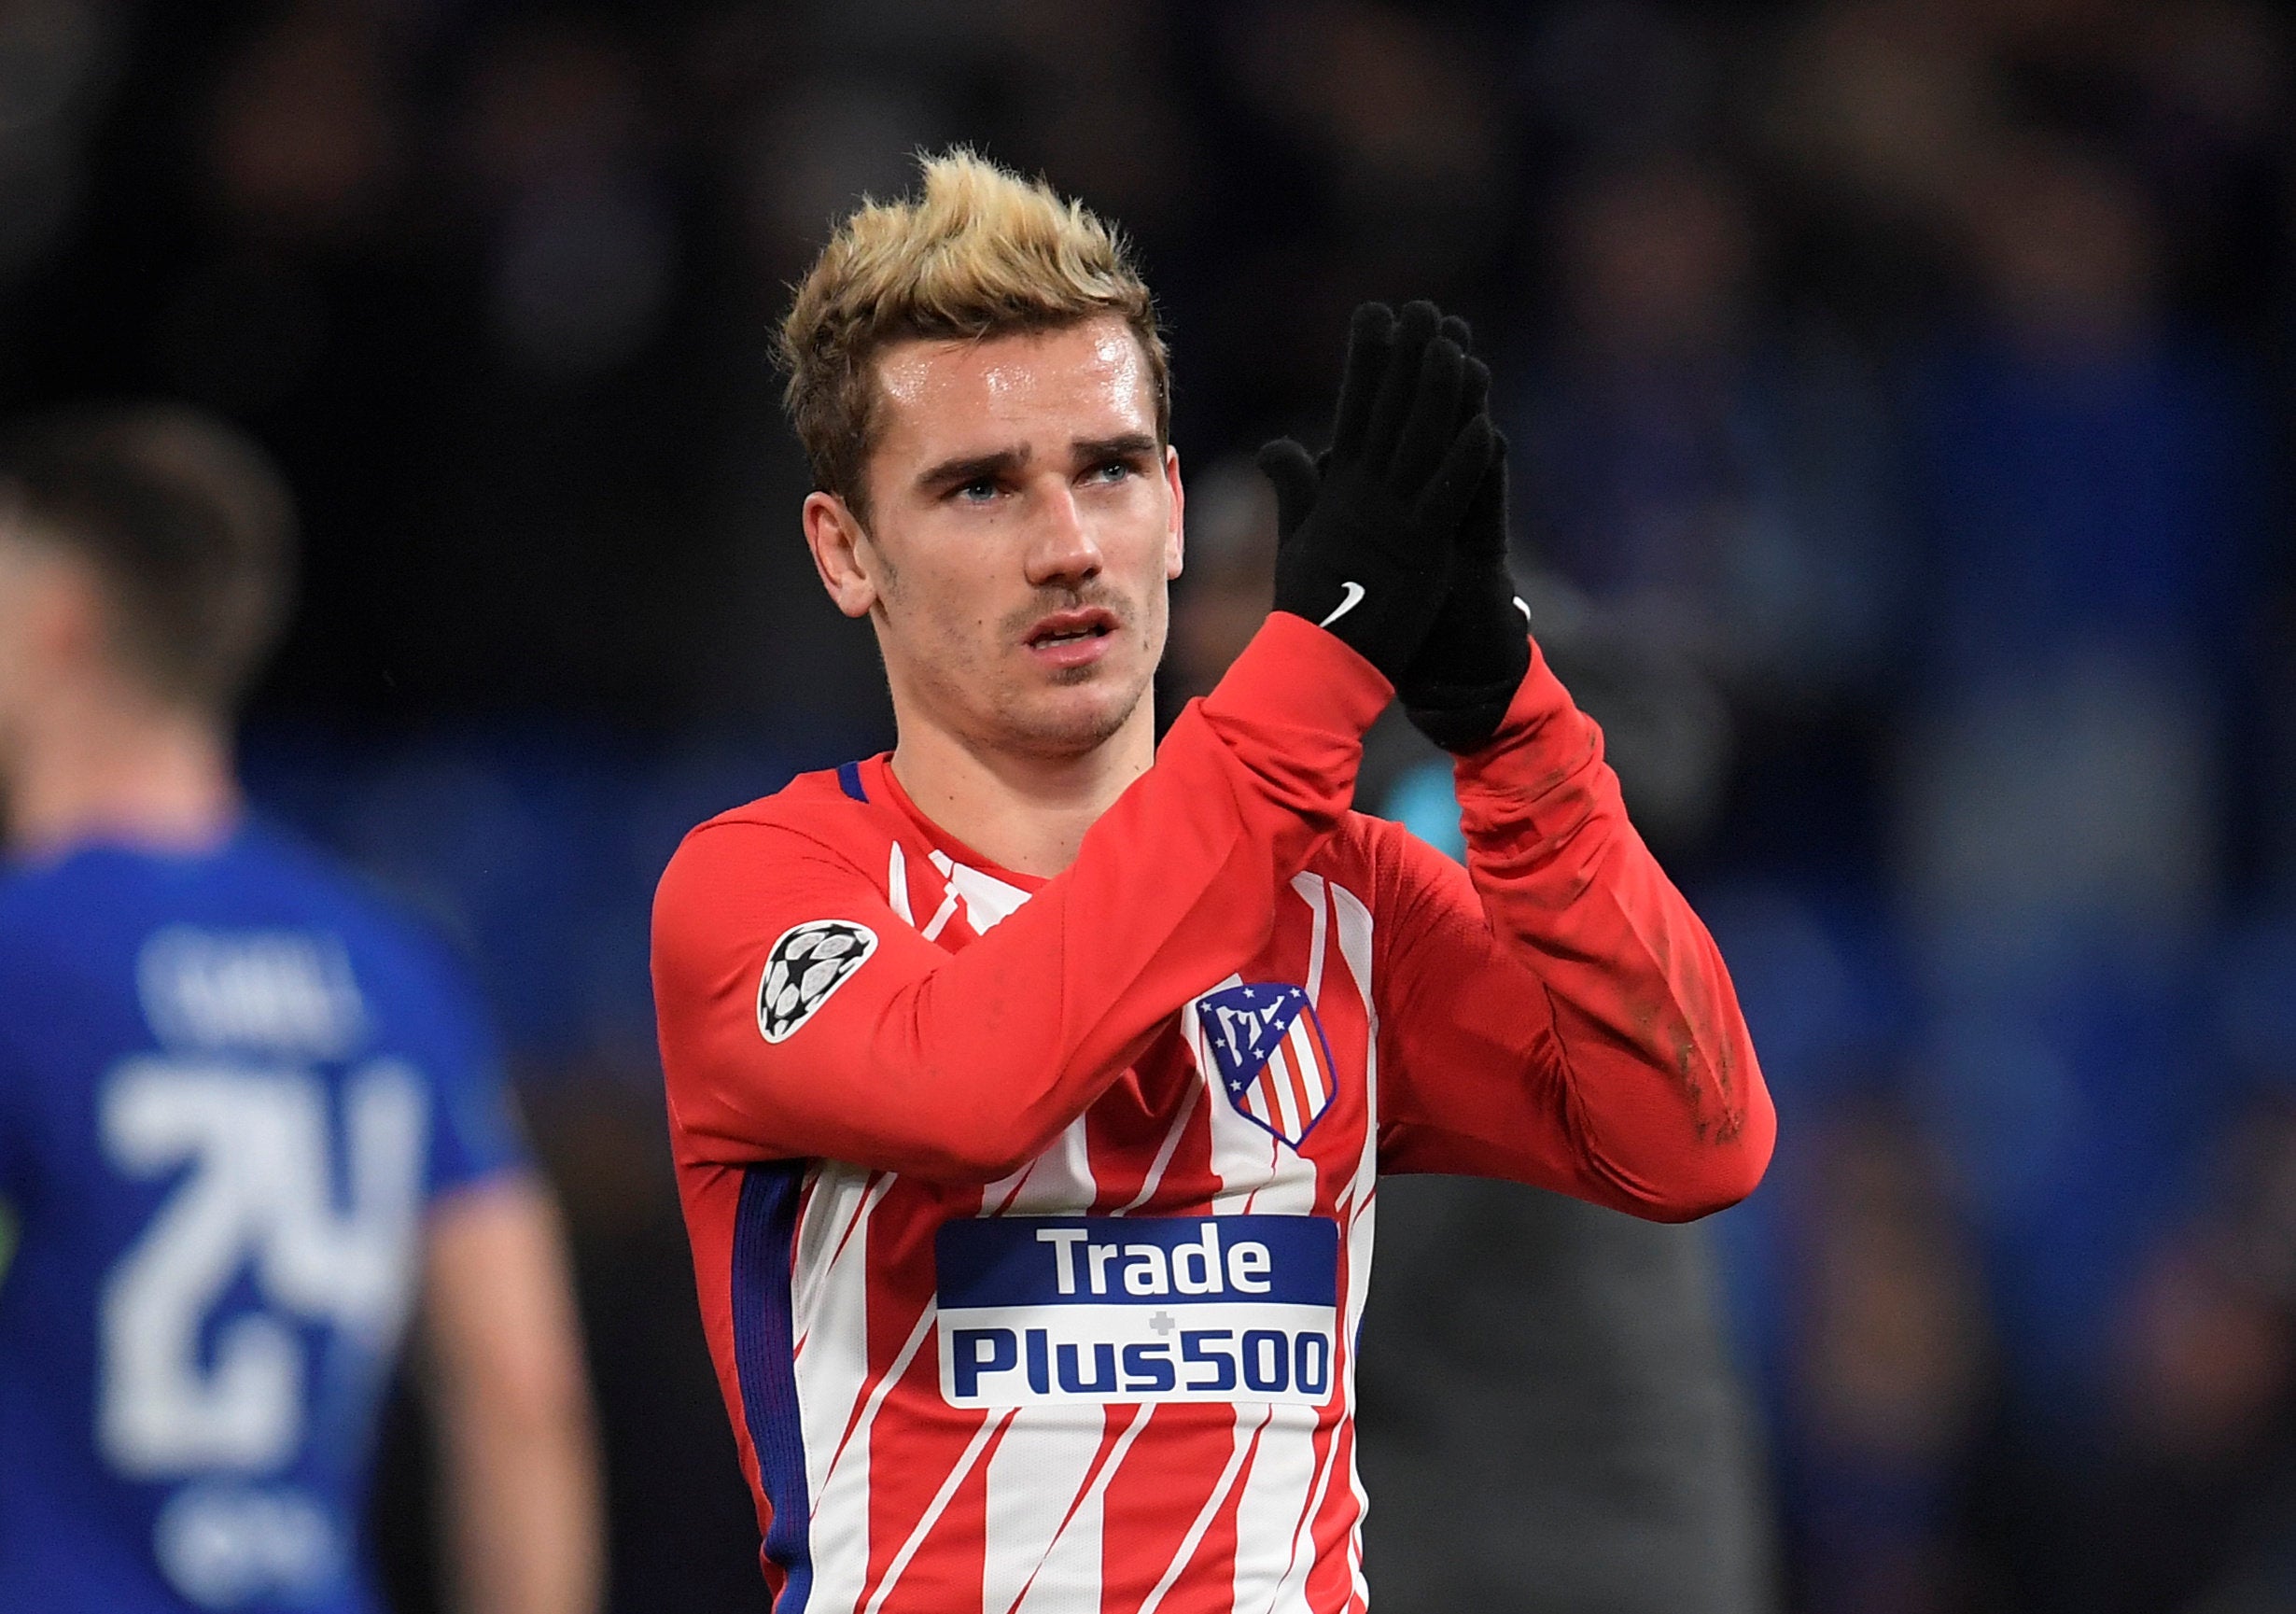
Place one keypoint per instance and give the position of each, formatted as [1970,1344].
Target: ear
[1175,536]
[842,552]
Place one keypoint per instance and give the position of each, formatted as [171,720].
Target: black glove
[1458,687]
[1365,548]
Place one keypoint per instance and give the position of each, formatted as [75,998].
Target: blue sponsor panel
[1042,1311]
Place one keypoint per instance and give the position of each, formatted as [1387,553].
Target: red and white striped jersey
[1032,1219]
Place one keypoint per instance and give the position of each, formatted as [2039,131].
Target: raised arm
[959,1067]
[511,1405]
[1561,1016]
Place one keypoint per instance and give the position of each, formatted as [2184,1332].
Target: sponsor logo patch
[1052,1310]
[1274,1063]
[809,962]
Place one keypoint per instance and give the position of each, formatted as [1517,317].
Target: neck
[150,776]
[1028,813]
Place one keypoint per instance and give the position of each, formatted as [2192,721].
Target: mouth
[1071,637]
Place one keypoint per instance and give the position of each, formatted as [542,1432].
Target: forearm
[1646,1022]
[959,1067]
[523,1507]
[511,1404]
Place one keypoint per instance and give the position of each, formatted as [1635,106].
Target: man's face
[1024,523]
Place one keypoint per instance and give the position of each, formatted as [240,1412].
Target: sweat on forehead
[1089,376]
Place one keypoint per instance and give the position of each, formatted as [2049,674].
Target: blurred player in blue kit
[250,1121]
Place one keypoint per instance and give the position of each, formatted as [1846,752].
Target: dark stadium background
[1900,393]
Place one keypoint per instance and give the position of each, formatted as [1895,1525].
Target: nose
[1061,550]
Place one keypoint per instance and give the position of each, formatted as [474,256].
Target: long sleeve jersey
[1032,1218]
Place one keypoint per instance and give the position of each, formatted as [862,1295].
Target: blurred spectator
[559,158]
[2092,469]
[1380,140]
[1889,1338]
[1548,1419]
[1878,114]
[1720,491]
[311,130]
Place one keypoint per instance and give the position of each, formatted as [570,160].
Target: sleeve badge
[809,963]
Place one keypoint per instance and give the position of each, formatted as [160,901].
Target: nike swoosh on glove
[1365,548]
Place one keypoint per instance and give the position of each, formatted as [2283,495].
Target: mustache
[1016,624]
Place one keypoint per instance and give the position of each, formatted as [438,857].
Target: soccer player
[247,1116]
[1029,1085]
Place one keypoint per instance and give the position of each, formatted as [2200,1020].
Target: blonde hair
[982,252]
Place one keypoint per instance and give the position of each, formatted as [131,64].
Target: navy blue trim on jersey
[849,775]
[765,1365]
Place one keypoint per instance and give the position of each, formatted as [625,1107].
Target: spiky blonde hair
[982,252]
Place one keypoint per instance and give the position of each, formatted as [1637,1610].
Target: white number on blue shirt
[261,1196]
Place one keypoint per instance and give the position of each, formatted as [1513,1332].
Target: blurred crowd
[1899,400]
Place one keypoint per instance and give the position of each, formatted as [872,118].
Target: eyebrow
[1125,445]
[956,471]
[967,468]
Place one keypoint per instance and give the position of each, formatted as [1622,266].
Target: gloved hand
[1458,687]
[1365,548]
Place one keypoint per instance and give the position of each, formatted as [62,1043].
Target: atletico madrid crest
[1274,1062]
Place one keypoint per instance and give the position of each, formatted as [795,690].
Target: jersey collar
[879,784]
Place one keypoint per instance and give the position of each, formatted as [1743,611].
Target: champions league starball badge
[809,963]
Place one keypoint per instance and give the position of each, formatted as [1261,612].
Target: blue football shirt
[230,1086]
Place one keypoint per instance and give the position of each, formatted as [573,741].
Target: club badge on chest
[1274,1062]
